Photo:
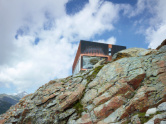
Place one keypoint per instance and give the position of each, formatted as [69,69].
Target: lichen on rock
[121,91]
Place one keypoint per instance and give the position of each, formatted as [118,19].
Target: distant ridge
[6,101]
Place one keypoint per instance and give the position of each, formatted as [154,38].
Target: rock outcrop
[162,44]
[120,92]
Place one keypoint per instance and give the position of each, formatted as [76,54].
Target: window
[109,51]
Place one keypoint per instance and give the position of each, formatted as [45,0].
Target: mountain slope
[9,98]
[121,91]
[6,101]
[4,106]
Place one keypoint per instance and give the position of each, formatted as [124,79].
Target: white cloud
[153,15]
[156,32]
[135,10]
[92,20]
[14,14]
[156,36]
[111,40]
[25,64]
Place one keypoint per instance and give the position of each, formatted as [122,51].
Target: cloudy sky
[39,38]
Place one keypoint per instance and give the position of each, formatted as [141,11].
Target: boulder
[131,52]
[162,107]
[151,111]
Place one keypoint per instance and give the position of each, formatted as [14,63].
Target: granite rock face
[117,92]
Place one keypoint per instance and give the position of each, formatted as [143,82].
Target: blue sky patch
[36,41]
[74,6]
[24,30]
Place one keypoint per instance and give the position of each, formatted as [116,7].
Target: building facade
[89,53]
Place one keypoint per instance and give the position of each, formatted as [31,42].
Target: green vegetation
[4,106]
[93,75]
[121,55]
[78,76]
[144,118]
[79,108]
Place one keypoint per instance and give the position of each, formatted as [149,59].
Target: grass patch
[79,108]
[93,75]
[144,118]
[78,77]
